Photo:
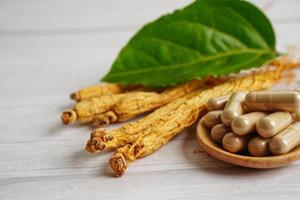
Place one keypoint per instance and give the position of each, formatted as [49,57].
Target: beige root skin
[97,91]
[173,121]
[125,106]
[131,107]
[107,89]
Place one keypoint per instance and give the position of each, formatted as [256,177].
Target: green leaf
[208,37]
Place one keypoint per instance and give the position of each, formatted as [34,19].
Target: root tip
[94,146]
[118,164]
[69,117]
[75,96]
[89,148]
[97,141]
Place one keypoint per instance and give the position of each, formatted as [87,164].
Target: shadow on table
[98,161]
[57,127]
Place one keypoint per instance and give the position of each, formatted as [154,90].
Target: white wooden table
[51,48]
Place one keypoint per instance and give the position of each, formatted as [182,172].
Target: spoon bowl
[216,151]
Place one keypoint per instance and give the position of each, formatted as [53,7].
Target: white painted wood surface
[51,48]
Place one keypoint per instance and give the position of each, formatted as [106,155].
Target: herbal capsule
[286,140]
[235,143]
[218,132]
[296,116]
[273,101]
[233,107]
[259,146]
[245,124]
[274,123]
[217,103]
[212,118]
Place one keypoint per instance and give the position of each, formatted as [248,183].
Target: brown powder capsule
[233,107]
[297,89]
[218,132]
[296,116]
[245,124]
[273,101]
[259,147]
[273,123]
[235,143]
[286,140]
[212,118]
[217,103]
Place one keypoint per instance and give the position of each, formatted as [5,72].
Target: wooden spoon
[216,151]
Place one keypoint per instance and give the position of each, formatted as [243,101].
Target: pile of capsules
[261,123]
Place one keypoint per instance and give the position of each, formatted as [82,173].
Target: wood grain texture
[49,49]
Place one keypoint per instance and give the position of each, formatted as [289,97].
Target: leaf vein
[206,59]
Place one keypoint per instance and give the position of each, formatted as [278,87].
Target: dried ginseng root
[109,109]
[107,89]
[85,110]
[171,120]
[97,91]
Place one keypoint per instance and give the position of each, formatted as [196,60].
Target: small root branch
[97,91]
[104,119]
